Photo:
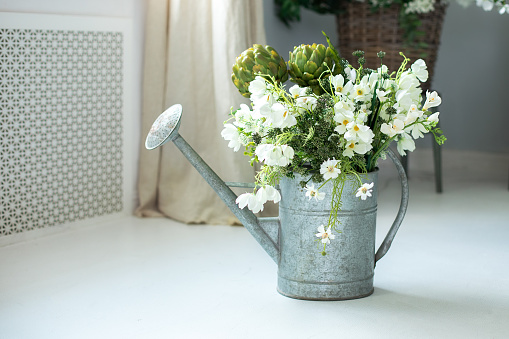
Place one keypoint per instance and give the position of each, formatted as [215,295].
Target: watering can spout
[164,129]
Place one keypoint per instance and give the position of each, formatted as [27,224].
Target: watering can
[303,273]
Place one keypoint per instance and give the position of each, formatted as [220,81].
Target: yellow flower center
[360,92]
[352,145]
[330,168]
[345,122]
[312,193]
[339,89]
[356,128]
[285,113]
[324,235]
[364,190]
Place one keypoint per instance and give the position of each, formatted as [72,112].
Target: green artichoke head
[257,60]
[309,63]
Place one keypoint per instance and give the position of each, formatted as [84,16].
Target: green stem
[375,156]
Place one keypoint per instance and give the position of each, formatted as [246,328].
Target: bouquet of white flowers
[336,120]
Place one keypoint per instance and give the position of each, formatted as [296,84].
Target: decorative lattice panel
[60,126]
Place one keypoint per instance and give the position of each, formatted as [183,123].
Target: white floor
[446,275]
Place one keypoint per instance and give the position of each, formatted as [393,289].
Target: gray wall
[471,72]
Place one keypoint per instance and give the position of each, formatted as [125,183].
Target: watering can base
[325,291]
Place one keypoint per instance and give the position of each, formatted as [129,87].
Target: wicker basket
[361,29]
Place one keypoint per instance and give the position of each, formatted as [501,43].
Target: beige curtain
[189,50]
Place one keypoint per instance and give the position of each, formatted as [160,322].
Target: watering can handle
[384,247]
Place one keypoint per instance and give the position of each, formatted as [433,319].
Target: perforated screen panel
[61,110]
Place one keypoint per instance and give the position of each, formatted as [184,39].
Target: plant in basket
[336,122]
[410,26]
[289,10]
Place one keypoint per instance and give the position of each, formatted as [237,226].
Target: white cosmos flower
[297,91]
[405,143]
[277,116]
[433,117]
[312,192]
[412,114]
[284,116]
[325,235]
[329,169]
[361,92]
[382,95]
[267,193]
[306,102]
[231,133]
[356,146]
[487,5]
[344,115]
[340,86]
[242,115]
[384,114]
[373,79]
[359,131]
[432,100]
[255,201]
[343,107]
[337,82]
[275,155]
[351,74]
[365,191]
[408,81]
[419,6]
[410,118]
[382,69]
[417,130]
[408,92]
[403,101]
[258,86]
[396,127]
[364,111]
[251,201]
[419,68]
[267,98]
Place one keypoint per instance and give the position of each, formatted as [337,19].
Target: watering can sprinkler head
[165,128]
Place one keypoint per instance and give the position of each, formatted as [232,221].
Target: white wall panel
[66,119]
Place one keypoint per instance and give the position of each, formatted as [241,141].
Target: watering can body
[347,269]
[346,272]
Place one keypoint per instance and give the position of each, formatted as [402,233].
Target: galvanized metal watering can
[303,273]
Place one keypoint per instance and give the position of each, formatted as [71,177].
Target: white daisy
[311,192]
[365,191]
[325,235]
[329,169]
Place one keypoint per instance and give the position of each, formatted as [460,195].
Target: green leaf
[310,67]
[335,54]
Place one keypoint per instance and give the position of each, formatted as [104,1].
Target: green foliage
[437,134]
[289,10]
[314,135]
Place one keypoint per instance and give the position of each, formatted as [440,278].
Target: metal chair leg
[404,162]
[437,157]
